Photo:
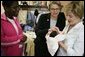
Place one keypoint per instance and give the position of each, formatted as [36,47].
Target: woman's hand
[53,29]
[50,30]
[63,45]
[23,39]
[56,29]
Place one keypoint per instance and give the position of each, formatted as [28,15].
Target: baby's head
[53,34]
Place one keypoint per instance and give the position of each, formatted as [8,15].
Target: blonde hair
[76,7]
[57,3]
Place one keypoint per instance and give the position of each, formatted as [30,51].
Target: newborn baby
[53,38]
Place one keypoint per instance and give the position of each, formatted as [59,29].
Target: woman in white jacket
[73,45]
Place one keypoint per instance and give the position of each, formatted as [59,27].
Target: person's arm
[63,45]
[24,38]
[49,32]
[8,40]
[39,29]
[78,47]
[61,21]
[41,32]
[58,30]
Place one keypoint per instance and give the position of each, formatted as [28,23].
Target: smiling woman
[73,44]
[75,10]
[45,22]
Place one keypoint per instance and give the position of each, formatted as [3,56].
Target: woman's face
[13,10]
[54,10]
[72,19]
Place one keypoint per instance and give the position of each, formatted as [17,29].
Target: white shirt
[53,23]
[14,24]
[74,41]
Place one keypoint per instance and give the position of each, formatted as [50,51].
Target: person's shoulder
[61,13]
[44,13]
[62,16]
[3,17]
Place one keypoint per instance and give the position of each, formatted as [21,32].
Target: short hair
[8,3]
[53,34]
[57,3]
[76,7]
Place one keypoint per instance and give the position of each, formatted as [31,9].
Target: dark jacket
[41,29]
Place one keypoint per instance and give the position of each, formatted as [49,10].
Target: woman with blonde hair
[73,44]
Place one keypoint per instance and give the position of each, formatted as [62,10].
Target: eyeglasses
[54,9]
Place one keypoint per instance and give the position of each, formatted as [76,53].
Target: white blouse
[74,40]
[53,23]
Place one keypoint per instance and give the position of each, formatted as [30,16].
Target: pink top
[8,32]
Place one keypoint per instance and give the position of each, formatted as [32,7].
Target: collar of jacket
[3,17]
